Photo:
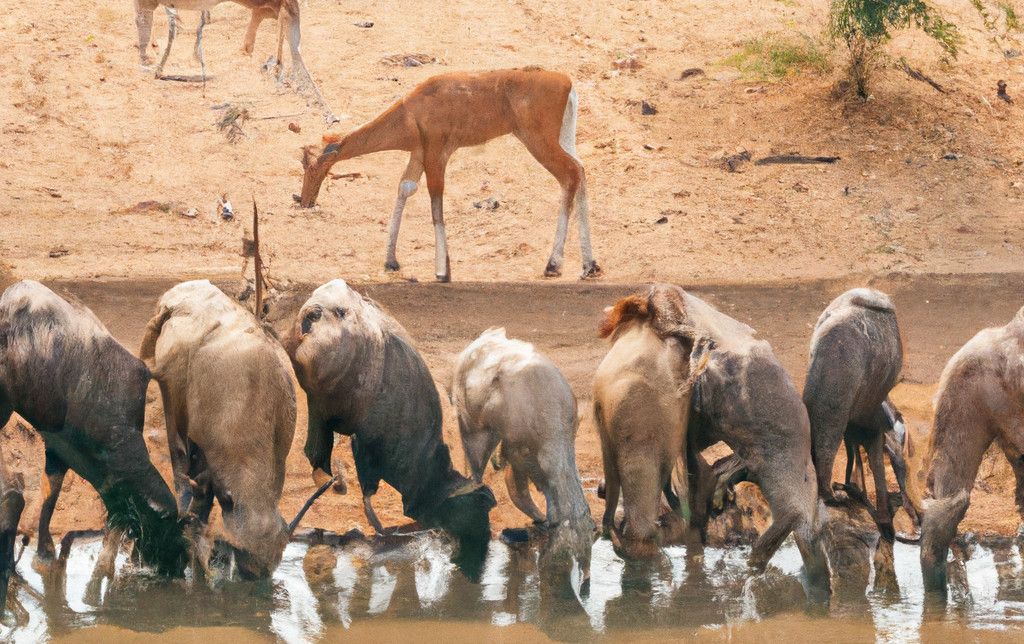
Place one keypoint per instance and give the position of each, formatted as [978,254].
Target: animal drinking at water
[980,400]
[856,357]
[229,405]
[364,379]
[736,392]
[507,393]
[85,394]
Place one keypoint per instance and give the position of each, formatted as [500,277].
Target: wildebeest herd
[678,377]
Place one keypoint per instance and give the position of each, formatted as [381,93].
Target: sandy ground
[88,137]
[561,320]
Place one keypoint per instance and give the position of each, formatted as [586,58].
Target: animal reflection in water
[412,577]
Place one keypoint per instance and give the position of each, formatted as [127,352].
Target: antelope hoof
[391,266]
[590,270]
[552,270]
[443,279]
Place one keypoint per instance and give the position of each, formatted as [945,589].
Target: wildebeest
[980,400]
[641,409]
[12,502]
[364,379]
[85,394]
[741,395]
[855,359]
[229,405]
[505,392]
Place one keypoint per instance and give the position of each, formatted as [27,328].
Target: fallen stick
[278,116]
[916,75]
[794,159]
[178,78]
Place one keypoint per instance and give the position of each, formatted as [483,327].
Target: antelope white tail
[567,136]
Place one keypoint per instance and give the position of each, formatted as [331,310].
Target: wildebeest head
[338,333]
[465,514]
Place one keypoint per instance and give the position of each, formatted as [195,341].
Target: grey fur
[505,391]
[85,394]
[364,379]
[856,355]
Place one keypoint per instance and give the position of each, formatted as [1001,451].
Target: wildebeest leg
[518,484]
[611,489]
[199,513]
[478,446]
[112,538]
[369,481]
[794,507]
[828,430]
[1017,463]
[177,445]
[55,469]
[883,513]
[371,516]
[319,445]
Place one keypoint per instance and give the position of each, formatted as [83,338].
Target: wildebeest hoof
[391,266]
[443,279]
[590,270]
[552,270]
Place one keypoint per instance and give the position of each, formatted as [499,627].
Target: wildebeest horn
[308,504]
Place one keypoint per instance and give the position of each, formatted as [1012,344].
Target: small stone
[295,127]
[489,203]
[59,251]
[691,72]
[951,156]
[364,24]
[191,213]
[647,109]
[662,220]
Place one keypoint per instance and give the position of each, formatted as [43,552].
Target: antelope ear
[147,352]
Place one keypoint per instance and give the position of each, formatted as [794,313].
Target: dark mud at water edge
[410,590]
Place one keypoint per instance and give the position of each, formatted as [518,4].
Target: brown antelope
[286,12]
[452,111]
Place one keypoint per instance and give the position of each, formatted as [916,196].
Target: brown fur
[453,111]
[627,309]
[980,400]
[229,407]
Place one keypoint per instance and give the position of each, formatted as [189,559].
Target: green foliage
[864,25]
[1004,9]
[1010,16]
[775,58]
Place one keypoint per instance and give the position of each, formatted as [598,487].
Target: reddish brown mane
[628,308]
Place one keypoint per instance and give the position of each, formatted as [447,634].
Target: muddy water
[412,591]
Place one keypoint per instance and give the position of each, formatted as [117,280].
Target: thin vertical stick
[257,260]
